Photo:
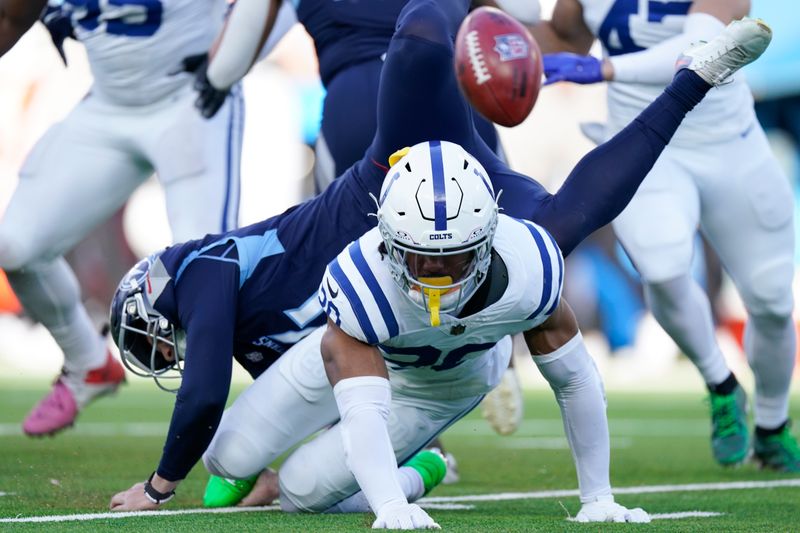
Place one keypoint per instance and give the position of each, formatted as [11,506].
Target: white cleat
[739,44]
[503,406]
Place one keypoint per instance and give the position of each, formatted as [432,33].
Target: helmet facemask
[141,337]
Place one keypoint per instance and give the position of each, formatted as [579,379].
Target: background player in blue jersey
[351,39]
[251,293]
[718,176]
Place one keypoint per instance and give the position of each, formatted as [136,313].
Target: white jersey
[455,359]
[135,45]
[627,26]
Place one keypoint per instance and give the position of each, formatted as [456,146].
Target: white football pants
[737,195]
[292,400]
[85,168]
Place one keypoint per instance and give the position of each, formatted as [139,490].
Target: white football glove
[604,509]
[403,516]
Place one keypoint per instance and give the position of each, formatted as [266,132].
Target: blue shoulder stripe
[547,269]
[380,298]
[352,297]
[560,273]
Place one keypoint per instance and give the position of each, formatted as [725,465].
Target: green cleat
[778,452]
[730,439]
[431,465]
[223,492]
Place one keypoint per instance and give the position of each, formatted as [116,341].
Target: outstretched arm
[208,313]
[559,352]
[247,28]
[252,29]
[361,386]
[16,17]
[656,64]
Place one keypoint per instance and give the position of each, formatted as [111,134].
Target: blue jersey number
[428,356]
[131,18]
[615,32]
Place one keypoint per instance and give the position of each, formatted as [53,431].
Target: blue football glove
[565,66]
[59,23]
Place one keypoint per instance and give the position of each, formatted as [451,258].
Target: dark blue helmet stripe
[380,298]
[439,197]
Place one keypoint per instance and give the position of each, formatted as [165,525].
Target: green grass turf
[656,439]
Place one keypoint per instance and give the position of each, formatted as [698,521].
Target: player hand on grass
[403,516]
[605,509]
[150,494]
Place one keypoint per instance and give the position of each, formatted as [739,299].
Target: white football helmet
[437,200]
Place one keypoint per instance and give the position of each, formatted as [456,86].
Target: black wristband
[153,495]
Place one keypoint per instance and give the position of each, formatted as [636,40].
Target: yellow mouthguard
[398,155]
[434,296]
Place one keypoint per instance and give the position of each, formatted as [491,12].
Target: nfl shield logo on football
[510,46]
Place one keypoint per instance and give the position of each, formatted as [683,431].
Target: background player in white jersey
[137,119]
[719,175]
[427,299]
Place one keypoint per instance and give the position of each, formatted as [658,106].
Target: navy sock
[726,387]
[764,432]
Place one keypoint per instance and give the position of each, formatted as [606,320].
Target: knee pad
[232,455]
[315,477]
[768,291]
[15,253]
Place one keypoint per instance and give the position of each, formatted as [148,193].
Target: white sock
[576,383]
[50,294]
[681,307]
[770,344]
[410,481]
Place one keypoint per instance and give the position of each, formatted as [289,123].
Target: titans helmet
[139,330]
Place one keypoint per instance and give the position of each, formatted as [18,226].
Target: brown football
[498,66]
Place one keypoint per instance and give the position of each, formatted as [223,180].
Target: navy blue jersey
[278,264]
[251,292]
[348,32]
[351,38]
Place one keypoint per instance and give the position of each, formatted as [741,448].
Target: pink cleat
[71,393]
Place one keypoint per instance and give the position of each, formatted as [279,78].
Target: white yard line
[686,514]
[553,443]
[439,502]
[651,489]
[136,514]
[536,428]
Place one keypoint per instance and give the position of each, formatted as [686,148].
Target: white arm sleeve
[576,383]
[656,65]
[238,44]
[364,409]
